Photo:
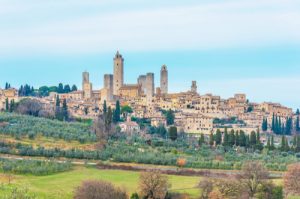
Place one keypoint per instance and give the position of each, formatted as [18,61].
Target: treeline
[233,139]
[61,88]
[24,125]
[34,167]
[28,90]
[280,126]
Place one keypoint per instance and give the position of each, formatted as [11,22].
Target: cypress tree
[117,113]
[297,127]
[218,137]
[12,105]
[231,138]
[242,139]
[269,143]
[65,110]
[6,105]
[104,107]
[74,88]
[272,143]
[236,138]
[273,122]
[283,142]
[201,139]
[253,139]
[226,138]
[211,139]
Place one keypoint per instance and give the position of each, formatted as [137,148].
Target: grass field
[62,185]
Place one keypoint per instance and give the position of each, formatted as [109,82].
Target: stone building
[118,73]
[164,80]
[130,91]
[9,94]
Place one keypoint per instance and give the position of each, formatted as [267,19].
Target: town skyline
[205,85]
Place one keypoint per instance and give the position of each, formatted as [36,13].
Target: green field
[62,185]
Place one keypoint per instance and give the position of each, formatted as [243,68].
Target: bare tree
[292,179]
[153,185]
[229,188]
[253,175]
[93,189]
[29,107]
[206,187]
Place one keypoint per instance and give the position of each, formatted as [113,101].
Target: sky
[228,47]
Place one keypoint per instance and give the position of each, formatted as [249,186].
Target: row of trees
[34,167]
[281,128]
[238,138]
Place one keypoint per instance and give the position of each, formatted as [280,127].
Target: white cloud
[202,26]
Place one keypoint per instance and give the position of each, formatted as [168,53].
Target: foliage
[92,189]
[292,179]
[22,125]
[153,184]
[33,167]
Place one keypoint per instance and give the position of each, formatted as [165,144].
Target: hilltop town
[194,112]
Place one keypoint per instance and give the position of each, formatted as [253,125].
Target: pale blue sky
[250,46]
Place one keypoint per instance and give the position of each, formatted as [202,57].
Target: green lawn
[62,185]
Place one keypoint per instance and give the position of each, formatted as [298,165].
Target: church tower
[164,79]
[118,73]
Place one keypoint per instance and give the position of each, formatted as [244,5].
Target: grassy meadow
[61,185]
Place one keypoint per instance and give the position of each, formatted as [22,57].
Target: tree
[264,124]
[60,88]
[181,162]
[6,105]
[226,138]
[117,113]
[173,133]
[272,143]
[67,88]
[218,138]
[201,140]
[269,143]
[232,139]
[153,185]
[65,110]
[291,179]
[104,107]
[297,125]
[170,117]
[74,88]
[93,189]
[126,109]
[242,139]
[134,196]
[12,106]
[253,175]
[58,111]
[211,139]
[253,139]
[206,187]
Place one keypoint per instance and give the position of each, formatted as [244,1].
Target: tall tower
[150,86]
[142,83]
[194,87]
[118,73]
[86,85]
[108,85]
[164,79]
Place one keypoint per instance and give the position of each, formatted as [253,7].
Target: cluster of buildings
[194,113]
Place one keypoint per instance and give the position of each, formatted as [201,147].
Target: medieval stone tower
[164,80]
[118,73]
[150,86]
[142,83]
[108,85]
[194,87]
[86,85]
